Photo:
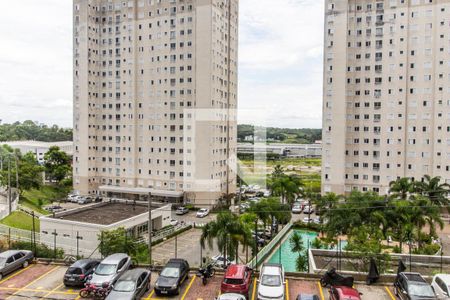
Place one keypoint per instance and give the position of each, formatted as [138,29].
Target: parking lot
[45,282]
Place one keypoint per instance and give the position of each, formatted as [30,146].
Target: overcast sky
[280,57]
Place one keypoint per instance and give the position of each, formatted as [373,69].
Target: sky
[280,62]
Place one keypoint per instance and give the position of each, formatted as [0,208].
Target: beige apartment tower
[386,94]
[155,94]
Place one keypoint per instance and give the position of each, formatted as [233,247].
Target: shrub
[42,251]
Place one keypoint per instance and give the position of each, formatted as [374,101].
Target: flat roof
[140,191]
[106,214]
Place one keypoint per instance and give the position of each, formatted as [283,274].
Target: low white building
[88,222]
[40,148]
[285,150]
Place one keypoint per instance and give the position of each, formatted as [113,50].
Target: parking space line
[287,289]
[51,292]
[151,294]
[15,274]
[36,290]
[189,287]
[320,290]
[32,282]
[254,289]
[389,292]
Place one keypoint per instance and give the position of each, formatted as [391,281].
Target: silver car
[12,260]
[132,285]
[231,296]
[110,269]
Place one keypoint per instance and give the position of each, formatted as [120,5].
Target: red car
[237,280]
[344,293]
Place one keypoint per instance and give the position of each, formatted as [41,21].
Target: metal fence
[264,252]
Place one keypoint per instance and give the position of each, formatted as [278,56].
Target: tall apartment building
[386,94]
[144,70]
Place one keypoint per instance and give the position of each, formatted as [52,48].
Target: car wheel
[25,264]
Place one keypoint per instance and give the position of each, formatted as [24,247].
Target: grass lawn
[21,220]
[307,168]
[36,199]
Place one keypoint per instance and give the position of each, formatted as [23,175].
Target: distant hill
[29,130]
[281,135]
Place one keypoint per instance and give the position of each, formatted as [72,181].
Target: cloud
[280,62]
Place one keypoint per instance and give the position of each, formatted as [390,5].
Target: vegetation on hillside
[30,130]
[284,135]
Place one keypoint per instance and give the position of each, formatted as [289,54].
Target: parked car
[132,285]
[231,296]
[237,279]
[296,209]
[75,199]
[412,286]
[271,282]
[98,199]
[203,212]
[220,261]
[308,220]
[308,209]
[344,293]
[317,220]
[85,200]
[54,208]
[181,210]
[110,269]
[171,277]
[441,286]
[78,273]
[307,297]
[12,260]
[174,222]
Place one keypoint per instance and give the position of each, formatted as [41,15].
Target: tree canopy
[30,130]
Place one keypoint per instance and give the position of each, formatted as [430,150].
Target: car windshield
[170,272]
[202,210]
[271,280]
[105,269]
[124,286]
[423,290]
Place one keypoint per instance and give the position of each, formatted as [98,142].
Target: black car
[171,277]
[132,285]
[78,273]
[412,286]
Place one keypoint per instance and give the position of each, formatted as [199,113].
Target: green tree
[228,231]
[117,241]
[436,191]
[401,188]
[286,186]
[297,246]
[57,164]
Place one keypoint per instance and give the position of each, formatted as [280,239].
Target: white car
[174,222]
[441,286]
[231,296]
[308,210]
[308,220]
[296,209]
[271,283]
[203,212]
[219,261]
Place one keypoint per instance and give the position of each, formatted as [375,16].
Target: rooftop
[105,214]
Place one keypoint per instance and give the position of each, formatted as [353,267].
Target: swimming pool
[285,256]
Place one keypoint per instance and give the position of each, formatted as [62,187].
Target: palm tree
[401,188]
[287,187]
[228,231]
[434,190]
[297,246]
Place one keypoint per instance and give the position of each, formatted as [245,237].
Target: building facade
[40,148]
[386,94]
[143,69]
